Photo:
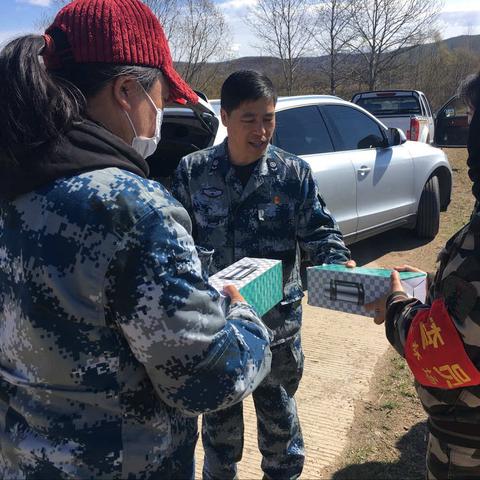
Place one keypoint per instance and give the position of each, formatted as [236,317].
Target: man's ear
[125,91]
[224,117]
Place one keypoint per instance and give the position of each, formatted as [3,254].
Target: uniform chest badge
[272,165]
[277,200]
[212,192]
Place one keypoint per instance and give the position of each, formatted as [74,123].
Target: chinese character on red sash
[435,351]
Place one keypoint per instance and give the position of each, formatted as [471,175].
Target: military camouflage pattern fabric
[278,215]
[111,340]
[279,434]
[454,414]
[446,461]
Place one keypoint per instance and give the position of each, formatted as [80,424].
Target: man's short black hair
[246,86]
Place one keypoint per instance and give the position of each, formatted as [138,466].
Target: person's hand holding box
[350,290]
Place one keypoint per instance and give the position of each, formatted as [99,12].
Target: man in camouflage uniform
[441,338]
[450,399]
[248,198]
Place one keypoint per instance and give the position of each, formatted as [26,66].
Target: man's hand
[379,307]
[350,263]
[408,268]
[233,293]
[395,283]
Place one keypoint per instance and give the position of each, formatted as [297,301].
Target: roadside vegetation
[388,437]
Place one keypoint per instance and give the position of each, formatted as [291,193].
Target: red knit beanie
[122,32]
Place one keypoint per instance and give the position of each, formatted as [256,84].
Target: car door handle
[363,170]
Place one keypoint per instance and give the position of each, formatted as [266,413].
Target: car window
[353,129]
[455,108]
[390,105]
[302,131]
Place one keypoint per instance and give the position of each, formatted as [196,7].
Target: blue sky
[24,16]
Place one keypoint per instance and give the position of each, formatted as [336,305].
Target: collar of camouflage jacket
[268,161]
[85,147]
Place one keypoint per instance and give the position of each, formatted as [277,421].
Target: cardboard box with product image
[337,287]
[259,280]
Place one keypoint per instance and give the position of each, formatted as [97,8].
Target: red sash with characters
[435,352]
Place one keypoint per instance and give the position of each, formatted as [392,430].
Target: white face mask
[143,145]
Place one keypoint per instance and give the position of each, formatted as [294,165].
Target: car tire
[428,214]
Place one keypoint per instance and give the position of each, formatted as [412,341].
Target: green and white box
[337,287]
[259,280]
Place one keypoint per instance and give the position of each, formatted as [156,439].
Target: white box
[337,287]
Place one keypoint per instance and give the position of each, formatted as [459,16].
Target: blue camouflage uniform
[111,339]
[278,215]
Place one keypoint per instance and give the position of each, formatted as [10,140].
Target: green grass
[390,405]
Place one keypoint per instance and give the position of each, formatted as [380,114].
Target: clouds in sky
[458,17]
[461,18]
[37,3]
[461,6]
[236,4]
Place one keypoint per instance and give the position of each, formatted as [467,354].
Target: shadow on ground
[410,466]
[397,240]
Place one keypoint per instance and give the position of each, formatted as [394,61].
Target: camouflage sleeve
[317,231]
[180,189]
[401,310]
[172,319]
[458,294]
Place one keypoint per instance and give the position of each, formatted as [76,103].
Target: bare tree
[283,29]
[200,35]
[387,28]
[167,12]
[333,35]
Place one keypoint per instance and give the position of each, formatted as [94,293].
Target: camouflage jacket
[111,338]
[454,414]
[278,211]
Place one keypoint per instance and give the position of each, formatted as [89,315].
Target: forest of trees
[334,46]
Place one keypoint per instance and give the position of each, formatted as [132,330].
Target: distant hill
[273,65]
[471,42]
[311,76]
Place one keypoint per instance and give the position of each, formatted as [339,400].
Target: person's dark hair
[469,90]
[246,86]
[37,105]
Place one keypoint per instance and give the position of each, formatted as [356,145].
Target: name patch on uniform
[435,352]
[212,192]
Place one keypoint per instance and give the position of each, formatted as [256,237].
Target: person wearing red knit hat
[112,340]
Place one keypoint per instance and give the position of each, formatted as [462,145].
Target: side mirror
[395,137]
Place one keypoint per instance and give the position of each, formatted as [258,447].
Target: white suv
[371,177]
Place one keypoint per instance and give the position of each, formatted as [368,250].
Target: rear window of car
[391,105]
[302,131]
[354,129]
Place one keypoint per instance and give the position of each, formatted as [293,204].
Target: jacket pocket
[210,212]
[282,214]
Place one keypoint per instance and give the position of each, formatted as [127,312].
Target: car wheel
[428,215]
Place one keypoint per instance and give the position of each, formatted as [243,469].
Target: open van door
[451,124]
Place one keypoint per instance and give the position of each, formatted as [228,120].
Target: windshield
[391,105]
